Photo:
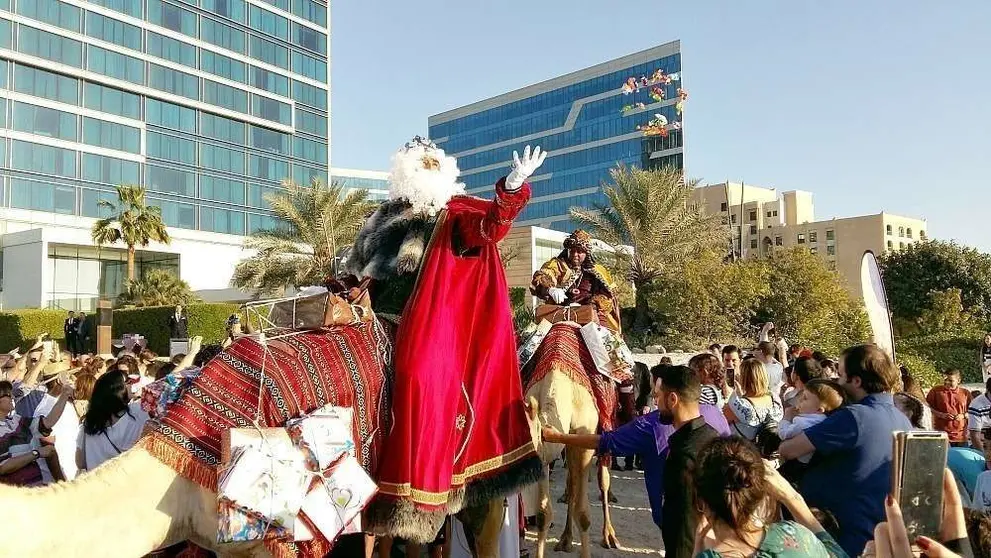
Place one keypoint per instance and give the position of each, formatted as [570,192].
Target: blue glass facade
[579,120]
[376,183]
[210,104]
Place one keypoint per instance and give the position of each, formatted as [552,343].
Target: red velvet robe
[458,412]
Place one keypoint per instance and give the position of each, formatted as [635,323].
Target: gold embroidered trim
[405,490]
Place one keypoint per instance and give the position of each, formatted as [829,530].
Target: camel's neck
[127,507]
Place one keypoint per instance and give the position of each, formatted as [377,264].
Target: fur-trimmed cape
[391,243]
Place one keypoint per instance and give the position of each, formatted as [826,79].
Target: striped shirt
[979,413]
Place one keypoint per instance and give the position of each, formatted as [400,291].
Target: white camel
[558,401]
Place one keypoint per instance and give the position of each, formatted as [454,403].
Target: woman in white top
[112,424]
[751,408]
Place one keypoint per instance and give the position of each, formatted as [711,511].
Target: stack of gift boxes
[292,483]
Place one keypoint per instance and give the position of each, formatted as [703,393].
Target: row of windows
[609,109]
[72,200]
[609,127]
[43,159]
[177,18]
[40,83]
[558,97]
[127,68]
[52,123]
[904,232]
[626,150]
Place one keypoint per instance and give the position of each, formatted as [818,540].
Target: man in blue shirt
[850,473]
[645,436]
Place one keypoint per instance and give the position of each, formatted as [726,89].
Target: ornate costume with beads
[588,283]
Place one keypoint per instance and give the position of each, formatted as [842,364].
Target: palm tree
[652,224]
[158,287]
[320,221]
[132,221]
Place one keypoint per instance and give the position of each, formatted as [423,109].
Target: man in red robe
[459,435]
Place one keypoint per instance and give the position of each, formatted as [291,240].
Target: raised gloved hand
[557,295]
[524,168]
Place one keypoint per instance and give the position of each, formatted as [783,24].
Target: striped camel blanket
[346,366]
[564,350]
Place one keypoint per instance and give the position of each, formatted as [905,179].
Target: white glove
[524,168]
[557,295]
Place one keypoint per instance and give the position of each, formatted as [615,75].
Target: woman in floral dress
[732,485]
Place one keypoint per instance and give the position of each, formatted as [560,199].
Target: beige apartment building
[761,220]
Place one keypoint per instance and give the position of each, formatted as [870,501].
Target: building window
[218,127]
[888,229]
[778,241]
[830,234]
[774,213]
[223,35]
[309,38]
[753,244]
[733,218]
[231,9]
[225,96]
[901,232]
[269,140]
[832,265]
[813,250]
[309,66]
[901,245]
[831,250]
[113,101]
[891,245]
[45,84]
[813,237]
[269,81]
[111,135]
[722,206]
[801,238]
[42,121]
[172,116]
[315,97]
[753,229]
[725,220]
[270,109]
[908,232]
[922,235]
[753,215]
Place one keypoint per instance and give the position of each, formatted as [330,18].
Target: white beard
[428,191]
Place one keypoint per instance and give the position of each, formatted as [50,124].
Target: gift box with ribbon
[274,484]
[265,479]
[530,346]
[612,356]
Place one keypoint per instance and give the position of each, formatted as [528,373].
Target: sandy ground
[637,534]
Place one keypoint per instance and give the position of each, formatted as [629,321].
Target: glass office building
[579,118]
[209,104]
[376,183]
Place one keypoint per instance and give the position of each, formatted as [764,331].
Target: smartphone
[918,463]
[731,377]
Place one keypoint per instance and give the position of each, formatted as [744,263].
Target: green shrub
[944,350]
[923,370]
[20,328]
[208,320]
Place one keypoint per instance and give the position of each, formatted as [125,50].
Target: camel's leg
[608,534]
[545,512]
[575,477]
[487,539]
[385,546]
[579,500]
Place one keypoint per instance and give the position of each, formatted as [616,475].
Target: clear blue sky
[879,105]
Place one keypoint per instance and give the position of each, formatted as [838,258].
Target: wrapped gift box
[334,505]
[158,395]
[611,355]
[324,435]
[530,346]
[584,314]
[271,481]
[264,480]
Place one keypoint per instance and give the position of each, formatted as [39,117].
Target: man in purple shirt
[647,437]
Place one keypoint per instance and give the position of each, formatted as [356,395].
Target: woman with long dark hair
[736,491]
[113,423]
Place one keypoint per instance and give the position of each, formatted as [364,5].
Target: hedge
[20,328]
[936,352]
[208,320]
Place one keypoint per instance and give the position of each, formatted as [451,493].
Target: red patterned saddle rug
[564,350]
[348,366]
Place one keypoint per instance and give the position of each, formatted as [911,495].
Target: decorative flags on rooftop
[658,125]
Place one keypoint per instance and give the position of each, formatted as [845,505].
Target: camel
[136,503]
[557,401]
